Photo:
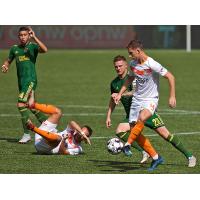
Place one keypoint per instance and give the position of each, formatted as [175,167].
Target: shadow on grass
[118,166]
[12,140]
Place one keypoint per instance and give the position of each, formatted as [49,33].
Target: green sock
[41,117]
[175,141]
[24,117]
[124,136]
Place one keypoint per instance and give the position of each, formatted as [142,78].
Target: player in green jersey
[25,55]
[155,122]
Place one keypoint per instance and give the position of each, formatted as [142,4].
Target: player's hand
[172,102]
[31,33]
[4,68]
[117,99]
[87,139]
[114,95]
[108,123]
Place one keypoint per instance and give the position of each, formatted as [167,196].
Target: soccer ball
[114,146]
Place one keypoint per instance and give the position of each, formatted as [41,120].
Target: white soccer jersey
[72,146]
[147,78]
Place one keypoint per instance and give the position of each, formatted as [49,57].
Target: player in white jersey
[49,141]
[146,71]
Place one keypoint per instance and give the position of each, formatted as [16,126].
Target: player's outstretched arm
[172,94]
[76,126]
[43,48]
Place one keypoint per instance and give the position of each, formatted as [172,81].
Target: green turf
[78,81]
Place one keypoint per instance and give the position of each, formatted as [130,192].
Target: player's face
[120,67]
[23,37]
[134,53]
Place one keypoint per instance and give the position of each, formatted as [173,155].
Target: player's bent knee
[122,127]
[118,131]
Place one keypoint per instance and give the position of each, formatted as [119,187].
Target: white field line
[107,137]
[160,111]
[154,135]
[104,114]
[104,107]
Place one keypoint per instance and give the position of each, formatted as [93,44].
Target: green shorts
[25,91]
[154,122]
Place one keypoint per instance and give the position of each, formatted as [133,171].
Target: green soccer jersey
[115,87]
[25,57]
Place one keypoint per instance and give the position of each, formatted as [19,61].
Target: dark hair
[119,58]
[133,44]
[23,28]
[89,129]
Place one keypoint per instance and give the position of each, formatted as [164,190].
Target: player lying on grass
[154,122]
[25,54]
[146,72]
[49,141]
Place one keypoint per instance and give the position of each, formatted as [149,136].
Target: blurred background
[106,36]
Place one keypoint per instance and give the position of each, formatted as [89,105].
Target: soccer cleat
[192,161]
[25,139]
[145,157]
[155,163]
[127,150]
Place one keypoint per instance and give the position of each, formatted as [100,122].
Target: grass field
[78,82]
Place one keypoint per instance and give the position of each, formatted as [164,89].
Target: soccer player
[121,68]
[146,72]
[25,55]
[49,141]
[154,122]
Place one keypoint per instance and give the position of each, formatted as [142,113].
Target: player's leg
[175,141]
[123,131]
[156,123]
[48,140]
[41,117]
[135,111]
[54,112]
[137,128]
[45,131]
[24,111]
[140,112]
[157,159]
[49,126]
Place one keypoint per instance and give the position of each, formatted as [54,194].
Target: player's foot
[192,161]
[29,125]
[127,150]
[25,139]
[145,157]
[155,163]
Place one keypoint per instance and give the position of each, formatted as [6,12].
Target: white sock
[127,144]
[155,157]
